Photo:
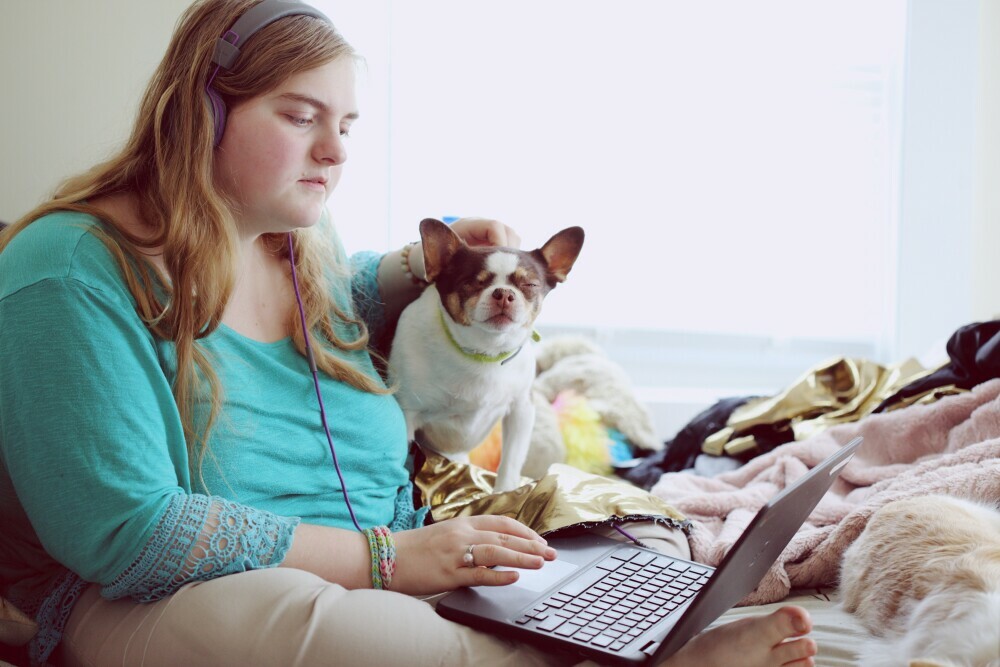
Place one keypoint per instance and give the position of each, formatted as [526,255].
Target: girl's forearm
[339,556]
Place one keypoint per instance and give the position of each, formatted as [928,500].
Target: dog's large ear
[561,251]
[440,244]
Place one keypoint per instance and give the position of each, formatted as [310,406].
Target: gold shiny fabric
[564,499]
[837,391]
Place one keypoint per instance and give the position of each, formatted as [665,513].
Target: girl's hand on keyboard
[431,559]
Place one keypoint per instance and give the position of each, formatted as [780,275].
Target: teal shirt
[269,447]
[95,481]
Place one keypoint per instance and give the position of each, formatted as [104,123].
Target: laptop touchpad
[539,580]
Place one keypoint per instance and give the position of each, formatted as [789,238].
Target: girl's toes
[791,651]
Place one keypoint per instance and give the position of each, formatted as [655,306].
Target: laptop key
[568,629]
[617,646]
[523,620]
[610,564]
[643,558]
[550,624]
[625,554]
[602,640]
[583,582]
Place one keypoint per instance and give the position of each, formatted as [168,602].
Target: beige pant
[289,618]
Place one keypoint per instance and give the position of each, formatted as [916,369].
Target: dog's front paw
[506,483]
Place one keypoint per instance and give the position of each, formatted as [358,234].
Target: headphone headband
[262,14]
[227,49]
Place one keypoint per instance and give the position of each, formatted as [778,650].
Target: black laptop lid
[758,547]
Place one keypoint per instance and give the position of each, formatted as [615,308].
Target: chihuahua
[462,355]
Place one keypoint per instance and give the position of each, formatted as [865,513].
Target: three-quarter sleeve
[92,442]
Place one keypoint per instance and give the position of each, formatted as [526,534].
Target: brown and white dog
[462,355]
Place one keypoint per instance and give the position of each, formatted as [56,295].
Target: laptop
[620,604]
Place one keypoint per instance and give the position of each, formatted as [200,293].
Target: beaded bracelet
[383,554]
[404,261]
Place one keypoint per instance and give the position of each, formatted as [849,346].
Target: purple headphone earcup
[218,108]
[227,50]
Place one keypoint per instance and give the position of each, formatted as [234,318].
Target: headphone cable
[315,375]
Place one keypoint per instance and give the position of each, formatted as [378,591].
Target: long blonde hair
[167,165]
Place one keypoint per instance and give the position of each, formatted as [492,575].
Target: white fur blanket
[951,447]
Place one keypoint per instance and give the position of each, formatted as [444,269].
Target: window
[733,164]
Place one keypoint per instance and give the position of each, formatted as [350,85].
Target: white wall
[936,233]
[986,203]
[71,74]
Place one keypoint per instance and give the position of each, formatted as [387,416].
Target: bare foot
[762,641]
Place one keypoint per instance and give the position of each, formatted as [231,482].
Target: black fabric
[974,351]
[680,453]
[766,437]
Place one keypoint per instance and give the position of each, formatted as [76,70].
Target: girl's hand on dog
[475,232]
[430,559]
[483,231]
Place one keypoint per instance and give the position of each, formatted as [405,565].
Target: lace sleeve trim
[407,517]
[200,538]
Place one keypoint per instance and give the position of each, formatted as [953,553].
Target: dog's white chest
[456,400]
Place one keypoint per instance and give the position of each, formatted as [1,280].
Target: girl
[166,488]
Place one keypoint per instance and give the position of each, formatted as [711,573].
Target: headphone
[227,47]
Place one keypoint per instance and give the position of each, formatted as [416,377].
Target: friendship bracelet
[404,261]
[386,554]
[383,553]
[373,547]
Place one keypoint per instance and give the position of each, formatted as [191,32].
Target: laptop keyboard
[616,601]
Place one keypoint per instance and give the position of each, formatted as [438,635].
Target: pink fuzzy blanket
[951,447]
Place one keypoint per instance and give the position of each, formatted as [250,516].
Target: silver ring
[469,558]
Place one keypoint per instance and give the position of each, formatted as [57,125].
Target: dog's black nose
[501,294]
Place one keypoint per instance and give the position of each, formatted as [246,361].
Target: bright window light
[734,164]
